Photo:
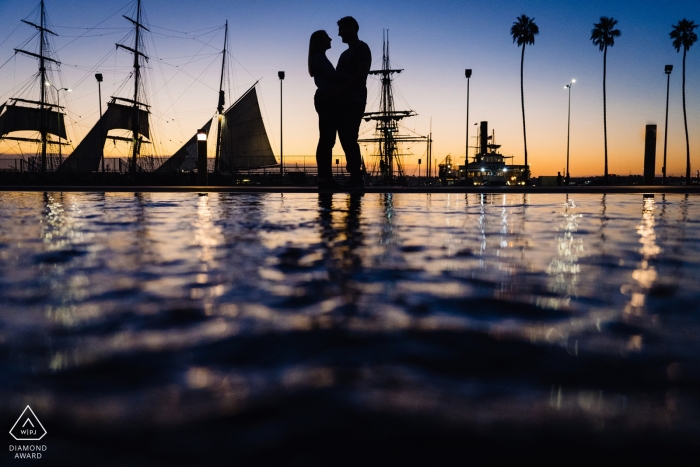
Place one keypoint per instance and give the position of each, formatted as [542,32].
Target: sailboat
[387,131]
[41,116]
[122,113]
[240,139]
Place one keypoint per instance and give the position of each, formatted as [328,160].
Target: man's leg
[349,122]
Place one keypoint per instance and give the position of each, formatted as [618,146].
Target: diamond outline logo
[28,418]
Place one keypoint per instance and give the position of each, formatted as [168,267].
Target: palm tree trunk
[522,99]
[605,112]
[685,121]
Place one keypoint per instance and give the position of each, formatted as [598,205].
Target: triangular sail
[186,157]
[87,156]
[17,118]
[244,141]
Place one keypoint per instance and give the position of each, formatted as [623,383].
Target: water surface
[304,323]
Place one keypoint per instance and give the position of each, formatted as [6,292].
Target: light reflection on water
[251,296]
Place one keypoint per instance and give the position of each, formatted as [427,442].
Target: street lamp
[98,77]
[568,130]
[667,69]
[280,74]
[58,103]
[467,74]
[202,157]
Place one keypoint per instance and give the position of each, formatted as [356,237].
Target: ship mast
[222,101]
[136,127]
[43,105]
[387,119]
[42,72]
[42,76]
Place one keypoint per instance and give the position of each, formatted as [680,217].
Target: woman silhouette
[327,80]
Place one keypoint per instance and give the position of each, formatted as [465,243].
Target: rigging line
[75,27]
[214,30]
[109,17]
[210,28]
[189,38]
[33,12]
[193,59]
[191,84]
[90,71]
[95,35]
[187,56]
[8,61]
[24,85]
[13,31]
[233,59]
[170,98]
[187,74]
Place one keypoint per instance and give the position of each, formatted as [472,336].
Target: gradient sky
[433,41]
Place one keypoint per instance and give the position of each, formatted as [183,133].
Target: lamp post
[202,157]
[58,103]
[468,74]
[667,69]
[568,131]
[98,77]
[280,74]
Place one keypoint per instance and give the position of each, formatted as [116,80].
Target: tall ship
[488,166]
[387,166]
[236,133]
[33,116]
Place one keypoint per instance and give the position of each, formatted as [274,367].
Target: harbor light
[202,175]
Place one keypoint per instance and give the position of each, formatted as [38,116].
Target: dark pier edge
[637,189]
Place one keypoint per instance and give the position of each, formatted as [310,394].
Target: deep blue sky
[433,41]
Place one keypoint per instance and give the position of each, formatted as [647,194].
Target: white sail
[244,141]
[87,156]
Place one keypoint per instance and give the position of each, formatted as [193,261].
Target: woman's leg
[326,141]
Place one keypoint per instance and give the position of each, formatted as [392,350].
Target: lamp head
[280,74]
[201,135]
[98,77]
[468,73]
[668,69]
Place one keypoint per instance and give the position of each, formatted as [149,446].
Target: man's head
[348,28]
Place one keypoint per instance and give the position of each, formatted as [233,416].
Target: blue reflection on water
[467,307]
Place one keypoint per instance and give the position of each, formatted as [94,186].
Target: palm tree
[523,31]
[683,36]
[603,35]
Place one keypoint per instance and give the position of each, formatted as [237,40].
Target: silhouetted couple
[340,100]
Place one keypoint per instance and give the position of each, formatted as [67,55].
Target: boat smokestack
[649,155]
[483,139]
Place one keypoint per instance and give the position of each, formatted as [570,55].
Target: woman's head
[320,42]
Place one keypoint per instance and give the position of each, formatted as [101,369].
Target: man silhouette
[355,63]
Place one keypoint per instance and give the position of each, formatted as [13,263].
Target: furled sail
[186,157]
[87,156]
[244,142]
[19,118]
